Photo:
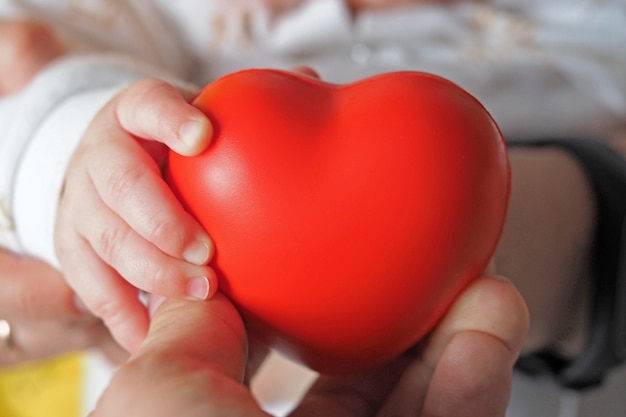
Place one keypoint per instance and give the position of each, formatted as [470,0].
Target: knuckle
[108,243]
[163,229]
[151,101]
[164,279]
[123,182]
[147,90]
[111,311]
[147,85]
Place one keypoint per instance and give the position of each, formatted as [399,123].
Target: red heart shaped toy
[346,218]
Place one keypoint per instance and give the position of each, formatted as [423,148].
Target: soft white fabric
[541,67]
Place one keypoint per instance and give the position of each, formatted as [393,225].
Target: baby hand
[119,227]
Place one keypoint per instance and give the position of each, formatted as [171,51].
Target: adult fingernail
[194,134]
[198,288]
[197,252]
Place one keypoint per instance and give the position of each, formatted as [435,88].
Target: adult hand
[193,362]
[25,47]
[464,368]
[42,314]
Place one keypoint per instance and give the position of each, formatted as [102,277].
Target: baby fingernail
[198,288]
[193,134]
[197,253]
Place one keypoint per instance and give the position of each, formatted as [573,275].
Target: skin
[482,334]
[463,368]
[35,298]
[25,47]
[45,318]
[174,242]
[100,233]
[116,210]
[210,354]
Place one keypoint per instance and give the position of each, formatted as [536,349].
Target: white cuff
[41,172]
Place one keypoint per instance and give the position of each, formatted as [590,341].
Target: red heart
[346,217]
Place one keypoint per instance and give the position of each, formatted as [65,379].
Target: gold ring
[9,352]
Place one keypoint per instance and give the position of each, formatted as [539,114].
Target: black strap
[606,344]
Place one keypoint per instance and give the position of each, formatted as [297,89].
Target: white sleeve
[40,128]
[39,176]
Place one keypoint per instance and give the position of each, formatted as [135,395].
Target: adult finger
[473,378]
[485,327]
[41,338]
[465,367]
[32,289]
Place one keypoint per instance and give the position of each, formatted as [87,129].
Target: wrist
[40,176]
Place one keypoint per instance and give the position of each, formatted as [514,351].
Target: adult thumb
[210,332]
[191,363]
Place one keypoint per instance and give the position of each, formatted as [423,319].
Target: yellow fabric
[44,389]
